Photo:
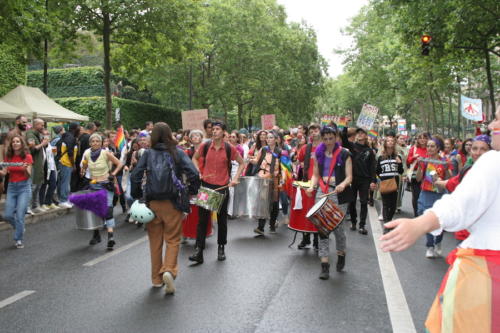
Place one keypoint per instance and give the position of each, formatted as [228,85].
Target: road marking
[401,319]
[115,252]
[15,298]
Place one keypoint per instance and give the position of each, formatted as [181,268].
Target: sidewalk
[29,219]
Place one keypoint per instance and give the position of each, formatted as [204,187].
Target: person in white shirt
[50,181]
[469,286]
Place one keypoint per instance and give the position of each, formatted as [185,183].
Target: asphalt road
[263,286]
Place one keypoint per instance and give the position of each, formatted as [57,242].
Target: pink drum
[190,224]
[298,220]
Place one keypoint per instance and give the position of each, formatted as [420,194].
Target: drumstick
[327,194]
[221,188]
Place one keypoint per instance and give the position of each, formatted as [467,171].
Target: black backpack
[159,182]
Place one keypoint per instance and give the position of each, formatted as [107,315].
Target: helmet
[141,213]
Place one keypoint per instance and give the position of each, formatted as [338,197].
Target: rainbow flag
[373,134]
[342,123]
[120,139]
[286,168]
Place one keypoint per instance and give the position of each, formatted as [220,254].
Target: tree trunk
[490,83]
[191,85]
[459,114]
[240,115]
[46,57]
[106,35]
[433,111]
[440,102]
[450,113]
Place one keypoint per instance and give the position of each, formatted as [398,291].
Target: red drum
[326,215]
[190,224]
[298,220]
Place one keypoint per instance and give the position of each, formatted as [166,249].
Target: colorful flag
[120,139]
[472,109]
[342,123]
[286,168]
[373,134]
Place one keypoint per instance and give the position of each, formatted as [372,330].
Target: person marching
[419,150]
[363,175]
[268,162]
[164,164]
[98,160]
[306,160]
[389,167]
[215,173]
[333,173]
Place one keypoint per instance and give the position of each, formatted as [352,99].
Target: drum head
[316,207]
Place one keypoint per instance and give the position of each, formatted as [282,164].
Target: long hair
[163,134]
[24,148]
[258,143]
[462,148]
[384,152]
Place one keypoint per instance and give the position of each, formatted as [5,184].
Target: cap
[360,129]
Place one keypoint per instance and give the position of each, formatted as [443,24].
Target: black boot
[111,241]
[197,256]
[96,238]
[325,271]
[221,256]
[362,230]
[316,242]
[306,240]
[340,262]
[353,226]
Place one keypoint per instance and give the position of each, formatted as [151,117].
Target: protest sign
[401,125]
[471,108]
[367,116]
[193,119]
[268,121]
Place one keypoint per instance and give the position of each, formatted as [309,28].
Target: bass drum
[190,224]
[252,197]
[298,220]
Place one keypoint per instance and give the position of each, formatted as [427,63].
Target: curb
[30,219]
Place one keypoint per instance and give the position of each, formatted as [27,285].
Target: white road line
[15,298]
[399,312]
[115,252]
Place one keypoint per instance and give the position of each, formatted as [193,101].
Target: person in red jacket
[416,151]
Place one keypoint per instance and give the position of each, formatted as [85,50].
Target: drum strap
[324,187]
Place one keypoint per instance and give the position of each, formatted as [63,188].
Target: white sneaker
[19,244]
[46,208]
[157,285]
[30,212]
[430,253]
[54,206]
[438,250]
[168,279]
[65,205]
[380,217]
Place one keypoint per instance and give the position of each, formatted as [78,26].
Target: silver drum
[86,220]
[252,197]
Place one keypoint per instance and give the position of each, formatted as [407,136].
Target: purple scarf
[94,154]
[321,150]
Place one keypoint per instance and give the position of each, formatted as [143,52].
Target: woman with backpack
[97,160]
[165,194]
[268,164]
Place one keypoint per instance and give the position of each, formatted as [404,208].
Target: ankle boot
[340,262]
[221,256]
[96,238]
[197,256]
[111,241]
[306,240]
[325,271]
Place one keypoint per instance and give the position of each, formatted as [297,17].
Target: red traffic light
[426,39]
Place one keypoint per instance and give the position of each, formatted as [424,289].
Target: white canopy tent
[33,103]
[8,111]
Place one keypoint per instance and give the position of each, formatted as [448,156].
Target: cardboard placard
[367,116]
[193,119]
[268,121]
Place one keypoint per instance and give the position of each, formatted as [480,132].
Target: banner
[401,125]
[340,121]
[193,119]
[472,109]
[268,121]
[367,116]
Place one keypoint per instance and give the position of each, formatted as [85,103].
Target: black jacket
[182,165]
[363,159]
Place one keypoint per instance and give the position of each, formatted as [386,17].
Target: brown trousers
[165,228]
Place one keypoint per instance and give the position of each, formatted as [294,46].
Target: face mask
[22,127]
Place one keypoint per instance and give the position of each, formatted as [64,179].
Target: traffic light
[426,44]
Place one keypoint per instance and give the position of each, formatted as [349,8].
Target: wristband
[495,131]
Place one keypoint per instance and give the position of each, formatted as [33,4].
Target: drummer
[268,162]
[333,173]
[305,158]
[215,173]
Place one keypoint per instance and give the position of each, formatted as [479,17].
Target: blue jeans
[64,183]
[16,206]
[110,222]
[48,188]
[284,203]
[426,200]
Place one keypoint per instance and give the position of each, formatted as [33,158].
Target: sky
[327,18]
